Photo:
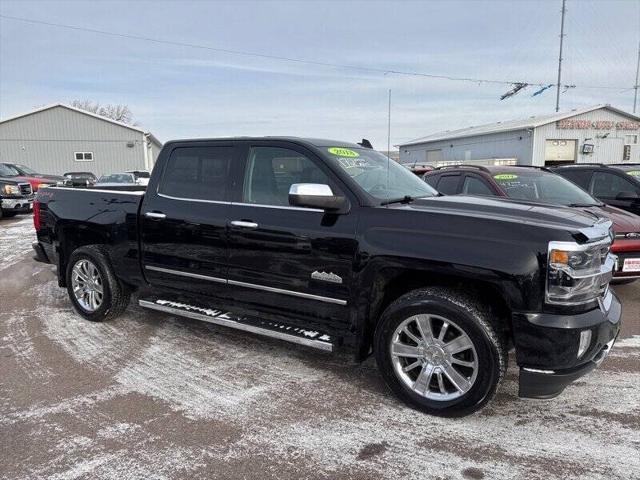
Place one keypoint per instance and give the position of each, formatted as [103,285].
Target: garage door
[560,150]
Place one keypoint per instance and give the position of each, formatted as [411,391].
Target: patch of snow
[15,240]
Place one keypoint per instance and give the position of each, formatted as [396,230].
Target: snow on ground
[16,236]
[149,395]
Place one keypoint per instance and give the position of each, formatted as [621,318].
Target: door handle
[243,224]
[155,215]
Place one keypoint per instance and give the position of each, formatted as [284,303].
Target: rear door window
[448,184]
[198,173]
[475,186]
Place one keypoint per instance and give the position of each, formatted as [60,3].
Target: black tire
[8,214]
[471,317]
[115,295]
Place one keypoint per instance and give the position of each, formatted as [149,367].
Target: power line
[290,59]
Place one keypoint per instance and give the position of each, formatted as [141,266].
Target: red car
[418,168]
[26,174]
[540,185]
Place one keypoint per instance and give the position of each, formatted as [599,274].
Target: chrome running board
[268,329]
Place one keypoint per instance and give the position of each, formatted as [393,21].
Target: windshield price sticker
[634,173]
[343,152]
[505,176]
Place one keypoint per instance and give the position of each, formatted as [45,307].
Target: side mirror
[627,196]
[315,195]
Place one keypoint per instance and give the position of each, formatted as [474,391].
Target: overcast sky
[178,91]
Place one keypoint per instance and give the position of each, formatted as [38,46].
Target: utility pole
[389,128]
[564,10]
[635,87]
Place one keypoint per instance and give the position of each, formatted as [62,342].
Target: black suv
[614,184]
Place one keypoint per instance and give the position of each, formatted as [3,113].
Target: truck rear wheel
[438,350]
[93,288]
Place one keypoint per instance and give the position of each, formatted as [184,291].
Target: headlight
[11,189]
[578,273]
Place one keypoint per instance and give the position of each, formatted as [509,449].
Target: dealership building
[599,134]
[58,138]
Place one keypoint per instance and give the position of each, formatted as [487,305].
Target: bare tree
[119,113]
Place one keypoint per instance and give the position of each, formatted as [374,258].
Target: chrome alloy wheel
[87,285]
[434,357]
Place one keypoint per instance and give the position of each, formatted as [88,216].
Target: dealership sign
[596,125]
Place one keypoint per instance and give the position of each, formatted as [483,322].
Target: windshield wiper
[584,205]
[405,199]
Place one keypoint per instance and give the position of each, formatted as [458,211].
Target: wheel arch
[389,284]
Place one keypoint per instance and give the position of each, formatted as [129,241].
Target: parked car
[115,180]
[350,252]
[419,169]
[542,185]
[142,176]
[15,196]
[79,179]
[24,173]
[615,185]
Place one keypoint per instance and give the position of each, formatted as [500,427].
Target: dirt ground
[154,396]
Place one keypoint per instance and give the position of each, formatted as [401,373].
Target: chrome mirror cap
[311,189]
[317,196]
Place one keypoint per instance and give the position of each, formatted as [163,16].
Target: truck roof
[315,142]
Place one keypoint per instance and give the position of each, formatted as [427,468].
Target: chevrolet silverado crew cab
[332,245]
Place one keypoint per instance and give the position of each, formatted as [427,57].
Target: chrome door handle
[243,224]
[155,215]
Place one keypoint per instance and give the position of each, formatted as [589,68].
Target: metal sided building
[599,134]
[58,138]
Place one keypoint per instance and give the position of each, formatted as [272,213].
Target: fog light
[585,341]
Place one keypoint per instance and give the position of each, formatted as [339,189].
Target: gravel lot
[154,396]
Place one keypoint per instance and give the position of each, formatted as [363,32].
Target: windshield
[544,187]
[26,170]
[7,171]
[380,177]
[117,178]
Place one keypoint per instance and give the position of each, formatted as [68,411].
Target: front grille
[25,188]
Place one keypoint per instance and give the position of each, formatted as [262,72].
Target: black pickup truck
[331,245]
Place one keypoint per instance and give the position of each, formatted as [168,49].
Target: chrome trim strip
[122,192]
[227,322]
[280,207]
[219,202]
[185,274]
[288,292]
[248,285]
[192,199]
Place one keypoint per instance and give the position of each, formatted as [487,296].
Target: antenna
[564,10]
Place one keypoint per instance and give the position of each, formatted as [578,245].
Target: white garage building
[599,134]
[58,138]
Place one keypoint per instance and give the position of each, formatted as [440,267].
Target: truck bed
[80,216]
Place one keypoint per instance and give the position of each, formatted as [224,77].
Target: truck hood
[496,208]
[623,221]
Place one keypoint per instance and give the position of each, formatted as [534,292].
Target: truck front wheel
[93,288]
[439,351]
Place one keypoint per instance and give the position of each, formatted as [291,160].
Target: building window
[631,139]
[84,156]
